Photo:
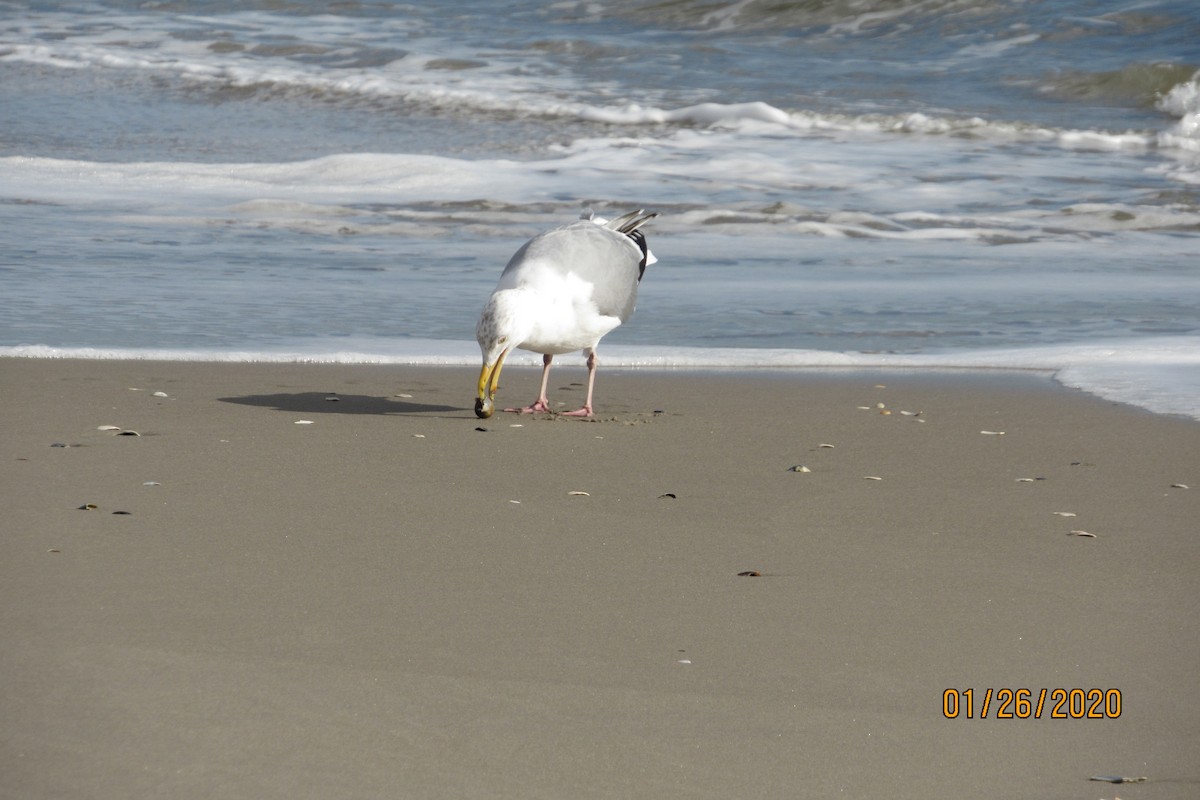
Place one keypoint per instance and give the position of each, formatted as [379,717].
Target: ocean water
[904,183]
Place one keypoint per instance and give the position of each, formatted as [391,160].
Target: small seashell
[54,550]
[880,405]
[684,661]
[122,513]
[481,429]
[1024,480]
[59,444]
[161,394]
[750,573]
[151,483]
[88,507]
[1065,514]
[863,408]
[405,396]
[516,425]
[872,478]
[418,436]
[826,446]
[1117,779]
[578,494]
[911,413]
[108,428]
[1084,534]
[515,502]
[1180,486]
[668,495]
[128,433]
[333,398]
[992,433]
[799,468]
[304,422]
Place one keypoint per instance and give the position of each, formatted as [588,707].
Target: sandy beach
[328,581]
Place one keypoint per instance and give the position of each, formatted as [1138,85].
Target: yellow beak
[489,381]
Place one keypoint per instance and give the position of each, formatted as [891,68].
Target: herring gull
[561,292]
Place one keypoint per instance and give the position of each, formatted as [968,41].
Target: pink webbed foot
[586,411]
[536,407]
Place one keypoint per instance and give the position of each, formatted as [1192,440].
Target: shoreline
[387,599]
[1159,375]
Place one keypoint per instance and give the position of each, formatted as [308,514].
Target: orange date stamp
[1031,704]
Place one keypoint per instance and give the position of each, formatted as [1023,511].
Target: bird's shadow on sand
[328,403]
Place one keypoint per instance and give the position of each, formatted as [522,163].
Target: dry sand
[391,603]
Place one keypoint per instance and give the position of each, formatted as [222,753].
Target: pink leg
[542,404]
[586,411]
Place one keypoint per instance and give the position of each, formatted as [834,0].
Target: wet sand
[391,602]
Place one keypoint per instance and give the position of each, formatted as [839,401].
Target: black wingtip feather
[629,224]
[639,239]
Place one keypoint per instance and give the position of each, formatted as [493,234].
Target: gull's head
[498,331]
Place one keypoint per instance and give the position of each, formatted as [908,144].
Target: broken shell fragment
[1084,534]
[750,573]
[992,433]
[872,478]
[799,468]
[108,428]
[1065,514]
[161,394]
[826,446]
[1024,480]
[88,507]
[1117,779]
[578,494]
[128,433]
[1180,486]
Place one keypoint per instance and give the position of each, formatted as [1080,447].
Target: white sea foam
[1183,101]
[675,169]
[492,88]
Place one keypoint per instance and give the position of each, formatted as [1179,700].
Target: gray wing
[603,257]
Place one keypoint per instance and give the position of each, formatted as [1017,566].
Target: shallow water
[949,182]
